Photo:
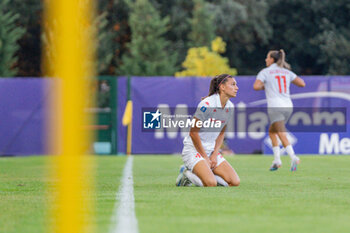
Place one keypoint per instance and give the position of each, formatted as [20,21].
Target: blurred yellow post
[69,59]
[127,121]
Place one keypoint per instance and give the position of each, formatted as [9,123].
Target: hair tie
[222,81]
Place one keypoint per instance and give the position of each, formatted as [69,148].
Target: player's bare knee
[234,182]
[210,182]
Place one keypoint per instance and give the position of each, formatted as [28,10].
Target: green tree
[295,24]
[227,14]
[179,13]
[316,36]
[243,25]
[202,25]
[148,50]
[335,51]
[105,48]
[114,34]
[29,52]
[333,36]
[10,33]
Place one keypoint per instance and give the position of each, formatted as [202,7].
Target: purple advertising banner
[23,107]
[22,118]
[178,94]
[122,88]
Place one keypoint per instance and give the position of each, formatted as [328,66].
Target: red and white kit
[277,81]
[208,108]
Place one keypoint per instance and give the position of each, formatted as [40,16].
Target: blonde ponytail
[282,61]
[280,58]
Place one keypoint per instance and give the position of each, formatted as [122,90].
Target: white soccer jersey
[277,81]
[210,108]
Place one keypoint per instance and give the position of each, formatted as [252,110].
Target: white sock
[290,151]
[193,178]
[276,153]
[221,181]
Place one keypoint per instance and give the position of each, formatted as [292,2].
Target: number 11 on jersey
[279,83]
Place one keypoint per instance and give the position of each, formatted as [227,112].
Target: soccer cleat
[186,182]
[182,180]
[181,176]
[294,164]
[275,165]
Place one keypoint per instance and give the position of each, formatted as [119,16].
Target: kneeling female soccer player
[203,164]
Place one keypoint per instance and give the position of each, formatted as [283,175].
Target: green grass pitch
[316,198]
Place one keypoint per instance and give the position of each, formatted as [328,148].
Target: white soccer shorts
[279,114]
[191,157]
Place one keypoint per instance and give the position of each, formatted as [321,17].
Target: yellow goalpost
[69,60]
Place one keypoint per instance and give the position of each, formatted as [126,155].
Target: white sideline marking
[124,218]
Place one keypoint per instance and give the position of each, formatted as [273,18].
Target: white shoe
[294,164]
[182,180]
[181,176]
[275,165]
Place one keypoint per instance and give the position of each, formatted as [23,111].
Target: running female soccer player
[203,164]
[275,80]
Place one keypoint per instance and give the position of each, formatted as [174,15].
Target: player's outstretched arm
[299,82]
[258,85]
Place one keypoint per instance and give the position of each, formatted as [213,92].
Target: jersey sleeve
[292,75]
[261,76]
[202,111]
